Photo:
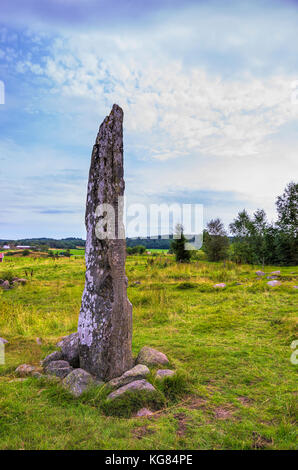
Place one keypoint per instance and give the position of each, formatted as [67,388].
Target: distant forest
[72,243]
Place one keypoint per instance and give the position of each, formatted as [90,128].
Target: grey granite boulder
[54,356]
[24,370]
[59,368]
[260,273]
[5,285]
[275,273]
[152,357]
[3,341]
[136,386]
[138,372]
[78,381]
[162,373]
[70,349]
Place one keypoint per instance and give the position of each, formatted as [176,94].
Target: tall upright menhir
[105,321]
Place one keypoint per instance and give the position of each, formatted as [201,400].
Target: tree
[178,246]
[287,209]
[216,242]
[286,240]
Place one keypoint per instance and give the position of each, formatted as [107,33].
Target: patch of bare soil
[182,424]
[222,412]
[260,442]
[245,400]
[196,403]
[141,431]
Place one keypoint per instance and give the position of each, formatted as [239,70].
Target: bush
[8,276]
[178,246]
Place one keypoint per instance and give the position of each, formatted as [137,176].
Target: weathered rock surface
[136,386]
[5,285]
[3,341]
[275,273]
[24,370]
[138,372]
[105,321]
[152,357]
[54,356]
[70,349]
[162,373]
[59,368]
[143,412]
[78,381]
[260,273]
[221,285]
[274,283]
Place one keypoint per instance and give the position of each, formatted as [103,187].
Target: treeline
[255,240]
[72,243]
[44,243]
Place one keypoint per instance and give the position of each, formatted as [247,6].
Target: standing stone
[105,321]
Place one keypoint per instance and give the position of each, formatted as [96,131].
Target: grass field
[233,343]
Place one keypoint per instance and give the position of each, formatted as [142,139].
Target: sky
[209,91]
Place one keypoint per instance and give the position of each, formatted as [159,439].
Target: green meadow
[232,346]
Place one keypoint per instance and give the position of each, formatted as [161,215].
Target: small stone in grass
[136,386]
[143,412]
[274,283]
[221,285]
[24,370]
[78,381]
[162,373]
[54,356]
[138,372]
[152,357]
[260,273]
[59,368]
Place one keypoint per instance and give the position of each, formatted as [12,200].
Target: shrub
[7,276]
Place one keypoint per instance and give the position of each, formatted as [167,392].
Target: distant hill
[72,243]
[66,243]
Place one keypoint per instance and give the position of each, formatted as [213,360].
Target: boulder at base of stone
[221,285]
[138,372]
[24,370]
[152,357]
[59,368]
[3,341]
[70,349]
[78,381]
[136,386]
[54,356]
[143,412]
[162,373]
[274,283]
[260,273]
